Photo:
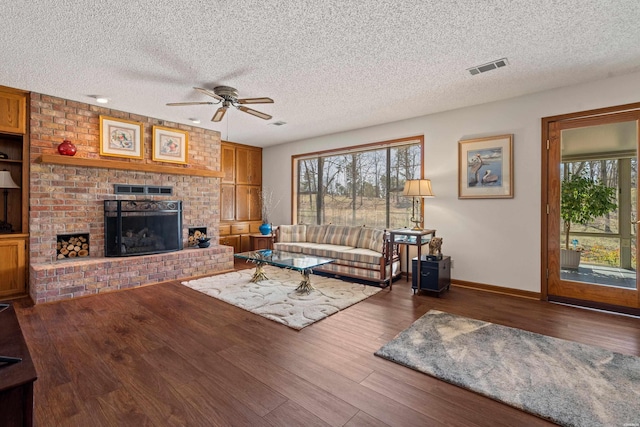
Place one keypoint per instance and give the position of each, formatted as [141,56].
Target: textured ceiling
[330,66]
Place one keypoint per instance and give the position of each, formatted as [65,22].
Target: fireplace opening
[142,227]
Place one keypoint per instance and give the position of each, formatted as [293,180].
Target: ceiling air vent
[499,63]
[143,189]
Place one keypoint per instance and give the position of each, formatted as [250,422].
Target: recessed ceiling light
[196,121]
[101,100]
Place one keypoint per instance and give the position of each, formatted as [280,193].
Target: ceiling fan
[228,96]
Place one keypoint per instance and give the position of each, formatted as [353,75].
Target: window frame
[393,143]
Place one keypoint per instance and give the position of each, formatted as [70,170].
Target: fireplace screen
[142,227]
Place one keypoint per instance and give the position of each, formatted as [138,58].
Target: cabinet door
[248,166]
[227,202]
[247,203]
[231,241]
[245,243]
[228,163]
[13,110]
[13,267]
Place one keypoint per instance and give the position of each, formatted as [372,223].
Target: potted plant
[582,201]
[268,204]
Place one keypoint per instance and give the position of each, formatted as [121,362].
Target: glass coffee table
[291,260]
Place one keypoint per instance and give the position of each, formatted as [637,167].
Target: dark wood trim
[590,113]
[122,165]
[340,150]
[496,289]
[596,305]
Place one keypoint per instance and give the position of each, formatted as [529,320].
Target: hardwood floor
[168,355]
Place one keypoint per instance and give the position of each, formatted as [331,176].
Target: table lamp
[417,188]
[6,182]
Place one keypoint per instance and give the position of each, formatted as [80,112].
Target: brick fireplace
[69,199]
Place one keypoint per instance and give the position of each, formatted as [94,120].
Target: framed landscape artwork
[485,168]
[121,138]
[170,145]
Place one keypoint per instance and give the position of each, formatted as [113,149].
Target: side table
[409,237]
[261,241]
[435,276]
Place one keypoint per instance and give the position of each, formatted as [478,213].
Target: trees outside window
[358,186]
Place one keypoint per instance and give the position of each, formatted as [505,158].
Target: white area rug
[276,298]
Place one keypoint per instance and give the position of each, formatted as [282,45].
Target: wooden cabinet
[248,203]
[14,202]
[237,234]
[228,163]
[248,166]
[231,241]
[227,202]
[13,265]
[13,111]
[240,191]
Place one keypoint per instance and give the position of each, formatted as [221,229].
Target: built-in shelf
[116,164]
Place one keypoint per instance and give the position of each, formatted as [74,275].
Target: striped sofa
[359,252]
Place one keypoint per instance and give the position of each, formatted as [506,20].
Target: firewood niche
[72,246]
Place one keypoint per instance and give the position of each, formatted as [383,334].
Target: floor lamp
[6,182]
[417,188]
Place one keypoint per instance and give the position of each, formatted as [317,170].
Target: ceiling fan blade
[219,114]
[254,112]
[209,93]
[255,101]
[190,103]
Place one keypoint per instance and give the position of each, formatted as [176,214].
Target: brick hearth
[69,199]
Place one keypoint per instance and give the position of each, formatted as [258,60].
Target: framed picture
[485,168]
[170,145]
[121,138]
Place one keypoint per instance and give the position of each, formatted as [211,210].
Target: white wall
[491,241]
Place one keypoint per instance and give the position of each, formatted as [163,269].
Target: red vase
[66,148]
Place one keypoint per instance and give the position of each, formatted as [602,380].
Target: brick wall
[69,199]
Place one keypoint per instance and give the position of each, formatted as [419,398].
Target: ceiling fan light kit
[228,96]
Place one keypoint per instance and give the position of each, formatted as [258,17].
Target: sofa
[359,252]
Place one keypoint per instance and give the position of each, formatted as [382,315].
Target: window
[357,186]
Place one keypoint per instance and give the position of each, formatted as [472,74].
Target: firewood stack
[73,247]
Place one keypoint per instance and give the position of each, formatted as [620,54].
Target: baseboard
[497,289]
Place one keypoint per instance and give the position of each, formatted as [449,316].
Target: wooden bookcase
[14,146]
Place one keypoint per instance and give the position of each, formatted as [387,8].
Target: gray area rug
[568,383]
[276,298]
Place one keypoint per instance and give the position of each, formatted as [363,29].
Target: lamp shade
[418,188]
[6,181]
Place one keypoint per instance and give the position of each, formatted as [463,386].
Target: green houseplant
[582,201]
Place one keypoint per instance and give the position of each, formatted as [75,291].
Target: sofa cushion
[325,250]
[342,235]
[292,233]
[315,233]
[371,238]
[366,256]
[295,247]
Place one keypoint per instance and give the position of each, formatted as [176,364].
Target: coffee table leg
[258,275]
[305,285]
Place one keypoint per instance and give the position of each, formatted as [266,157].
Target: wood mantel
[116,164]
